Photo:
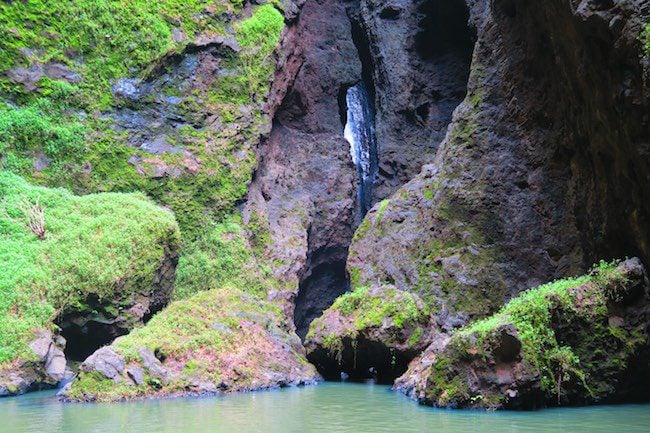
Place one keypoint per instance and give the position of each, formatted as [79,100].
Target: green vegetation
[103,41]
[380,210]
[68,120]
[258,36]
[100,39]
[366,308]
[181,327]
[108,245]
[645,39]
[371,309]
[201,338]
[581,301]
[220,257]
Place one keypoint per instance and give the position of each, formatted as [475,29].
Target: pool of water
[329,407]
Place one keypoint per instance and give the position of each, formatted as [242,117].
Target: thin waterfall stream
[360,133]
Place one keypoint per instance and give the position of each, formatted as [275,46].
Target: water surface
[330,408]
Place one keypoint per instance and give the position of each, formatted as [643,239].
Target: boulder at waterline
[221,340]
[370,332]
[574,341]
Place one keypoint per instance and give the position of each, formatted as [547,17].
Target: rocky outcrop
[574,341]
[370,333]
[102,265]
[99,321]
[301,206]
[46,370]
[218,341]
[528,184]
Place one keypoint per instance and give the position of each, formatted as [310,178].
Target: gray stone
[105,361]
[127,88]
[136,374]
[178,35]
[151,363]
[41,162]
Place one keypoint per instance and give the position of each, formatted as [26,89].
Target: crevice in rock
[359,131]
[324,281]
[444,30]
[324,276]
[362,44]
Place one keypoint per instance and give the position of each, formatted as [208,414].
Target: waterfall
[360,133]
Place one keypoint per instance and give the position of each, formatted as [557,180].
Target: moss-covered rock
[163,97]
[370,332]
[573,341]
[216,341]
[102,259]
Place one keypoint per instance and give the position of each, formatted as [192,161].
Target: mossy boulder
[217,341]
[574,341]
[370,332]
[94,265]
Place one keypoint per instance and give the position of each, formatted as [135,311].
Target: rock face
[46,370]
[417,56]
[573,341]
[370,333]
[528,184]
[303,197]
[218,341]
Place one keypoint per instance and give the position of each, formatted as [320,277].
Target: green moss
[644,37]
[38,127]
[220,257]
[100,388]
[103,41]
[259,232]
[108,245]
[581,301]
[366,308]
[252,68]
[199,335]
[100,39]
[381,209]
[371,309]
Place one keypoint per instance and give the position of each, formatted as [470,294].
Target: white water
[360,133]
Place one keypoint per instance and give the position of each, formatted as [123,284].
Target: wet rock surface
[596,349]
[304,191]
[370,334]
[417,56]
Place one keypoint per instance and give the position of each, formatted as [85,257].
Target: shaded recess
[324,283]
[444,30]
[83,336]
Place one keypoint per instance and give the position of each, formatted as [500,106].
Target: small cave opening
[360,360]
[318,289]
[84,334]
[444,29]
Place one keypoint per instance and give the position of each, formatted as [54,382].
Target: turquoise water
[330,407]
